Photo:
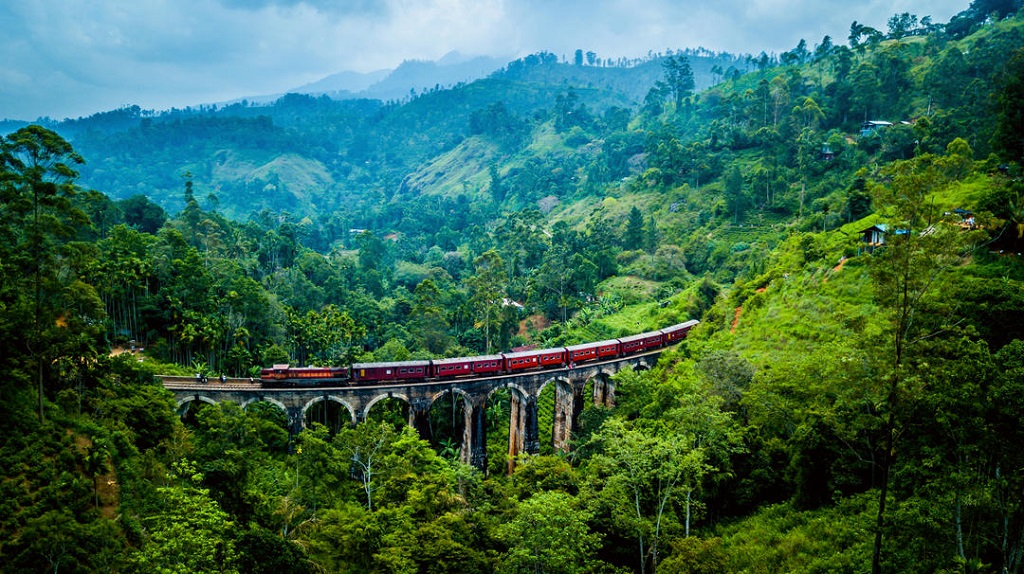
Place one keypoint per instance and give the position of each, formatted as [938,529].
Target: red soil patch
[107,489]
[835,269]
[534,323]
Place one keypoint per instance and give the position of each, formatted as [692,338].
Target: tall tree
[679,78]
[39,216]
[633,238]
[734,191]
[549,534]
[906,277]
[1009,103]
[649,472]
[487,292]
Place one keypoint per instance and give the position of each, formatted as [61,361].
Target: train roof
[534,352]
[641,336]
[589,345]
[679,326]
[386,365]
[453,360]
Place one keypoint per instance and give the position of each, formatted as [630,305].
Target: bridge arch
[270,400]
[325,398]
[558,380]
[194,398]
[513,388]
[383,396]
[602,392]
[466,395]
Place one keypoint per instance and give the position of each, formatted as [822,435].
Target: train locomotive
[479,366]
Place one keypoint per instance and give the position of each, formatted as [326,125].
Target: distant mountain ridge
[411,75]
[397,134]
[343,82]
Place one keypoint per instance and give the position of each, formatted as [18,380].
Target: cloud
[338,8]
[75,57]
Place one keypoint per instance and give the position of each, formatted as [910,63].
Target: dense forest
[844,405]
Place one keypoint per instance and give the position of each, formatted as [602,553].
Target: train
[479,366]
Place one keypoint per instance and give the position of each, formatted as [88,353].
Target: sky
[72,58]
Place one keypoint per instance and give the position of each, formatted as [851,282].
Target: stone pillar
[604,392]
[478,444]
[531,428]
[600,385]
[609,394]
[516,429]
[295,422]
[419,417]
[474,438]
[578,401]
[562,431]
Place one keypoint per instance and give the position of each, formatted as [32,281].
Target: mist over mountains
[394,84]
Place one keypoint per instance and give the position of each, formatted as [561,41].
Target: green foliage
[783,539]
[415,228]
[189,532]
[549,534]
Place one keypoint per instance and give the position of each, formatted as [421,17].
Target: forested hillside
[845,405]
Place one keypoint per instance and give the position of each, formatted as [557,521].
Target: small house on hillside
[875,235]
[961,218]
[871,126]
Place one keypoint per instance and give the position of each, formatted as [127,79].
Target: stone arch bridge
[524,389]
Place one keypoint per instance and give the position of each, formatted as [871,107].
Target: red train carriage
[642,342]
[552,357]
[444,368]
[678,332]
[610,348]
[400,371]
[592,351]
[462,366]
[288,375]
[487,364]
[534,359]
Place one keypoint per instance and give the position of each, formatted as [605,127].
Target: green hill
[845,222]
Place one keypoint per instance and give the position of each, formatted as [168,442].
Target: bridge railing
[180,381]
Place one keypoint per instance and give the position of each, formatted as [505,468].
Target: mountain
[362,142]
[411,76]
[343,83]
[422,76]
